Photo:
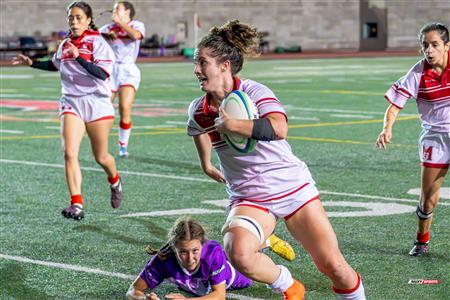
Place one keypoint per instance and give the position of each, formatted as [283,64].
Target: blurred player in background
[266,184]
[195,264]
[84,61]
[428,82]
[124,35]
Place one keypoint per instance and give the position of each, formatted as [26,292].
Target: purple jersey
[213,269]
[269,173]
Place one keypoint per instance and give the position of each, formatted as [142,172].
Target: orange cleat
[295,292]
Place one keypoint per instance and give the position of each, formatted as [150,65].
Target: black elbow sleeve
[263,130]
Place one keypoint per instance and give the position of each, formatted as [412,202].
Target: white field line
[292,107]
[347,116]
[174,212]
[11,131]
[32,163]
[93,271]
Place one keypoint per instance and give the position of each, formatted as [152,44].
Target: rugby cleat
[419,249]
[74,211]
[295,292]
[123,151]
[116,194]
[281,248]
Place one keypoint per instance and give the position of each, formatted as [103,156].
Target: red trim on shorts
[349,291]
[254,206]
[436,166]
[124,126]
[295,211]
[69,113]
[114,91]
[102,118]
[128,84]
[276,198]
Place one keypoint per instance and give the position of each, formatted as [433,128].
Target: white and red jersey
[125,48]
[431,91]
[268,173]
[75,80]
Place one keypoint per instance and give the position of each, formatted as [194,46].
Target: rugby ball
[238,105]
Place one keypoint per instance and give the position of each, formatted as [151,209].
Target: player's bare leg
[72,131]
[432,180]
[98,133]
[126,99]
[311,227]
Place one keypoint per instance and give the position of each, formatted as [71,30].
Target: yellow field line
[349,122]
[326,140]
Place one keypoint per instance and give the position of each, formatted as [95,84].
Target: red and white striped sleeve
[406,87]
[265,100]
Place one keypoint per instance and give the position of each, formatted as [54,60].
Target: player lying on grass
[266,184]
[195,264]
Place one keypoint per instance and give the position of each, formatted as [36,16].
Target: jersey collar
[207,109]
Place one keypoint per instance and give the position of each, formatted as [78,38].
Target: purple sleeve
[154,272]
[219,270]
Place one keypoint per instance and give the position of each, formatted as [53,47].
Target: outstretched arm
[137,289]
[26,61]
[385,136]
[204,147]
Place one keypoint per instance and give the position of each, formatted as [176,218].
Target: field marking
[173,212]
[350,122]
[445,192]
[327,140]
[351,116]
[60,166]
[16,76]
[11,131]
[331,110]
[78,268]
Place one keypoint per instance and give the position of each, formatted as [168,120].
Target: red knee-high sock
[76,199]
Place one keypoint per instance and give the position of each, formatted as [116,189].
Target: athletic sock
[77,200]
[114,181]
[423,237]
[356,293]
[284,281]
[124,133]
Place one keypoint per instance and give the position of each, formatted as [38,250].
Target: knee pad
[423,215]
[245,222]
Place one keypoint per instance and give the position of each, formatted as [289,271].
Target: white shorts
[434,149]
[125,75]
[285,206]
[88,108]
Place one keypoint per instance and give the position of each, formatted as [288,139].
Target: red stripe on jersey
[266,99]
[392,102]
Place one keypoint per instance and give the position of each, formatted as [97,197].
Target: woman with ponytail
[195,264]
[85,61]
[267,184]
